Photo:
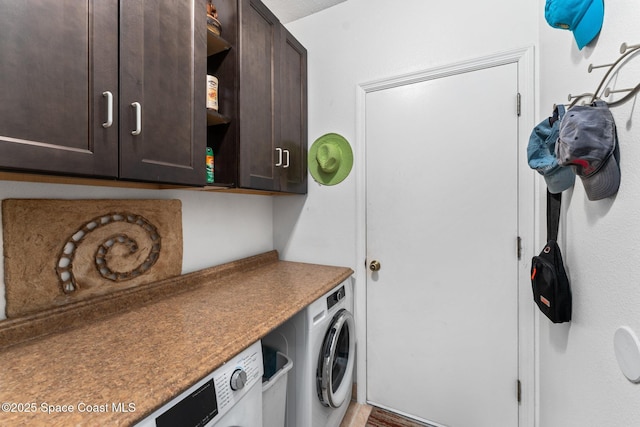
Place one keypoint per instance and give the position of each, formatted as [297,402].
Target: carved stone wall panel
[61,251]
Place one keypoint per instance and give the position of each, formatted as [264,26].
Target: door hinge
[519,247]
[518,104]
[519,391]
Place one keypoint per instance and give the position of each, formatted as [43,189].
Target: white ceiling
[290,10]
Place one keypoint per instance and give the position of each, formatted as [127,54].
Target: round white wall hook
[627,349]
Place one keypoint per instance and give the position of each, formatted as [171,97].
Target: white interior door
[442,220]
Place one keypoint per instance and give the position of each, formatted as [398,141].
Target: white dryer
[321,342]
[229,396]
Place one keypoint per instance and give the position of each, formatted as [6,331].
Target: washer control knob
[238,379]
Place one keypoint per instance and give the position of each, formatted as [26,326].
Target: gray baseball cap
[589,144]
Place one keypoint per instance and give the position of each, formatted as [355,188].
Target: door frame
[528,217]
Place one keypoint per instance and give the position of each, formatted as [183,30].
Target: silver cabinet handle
[109,97]
[138,109]
[286,156]
[279,162]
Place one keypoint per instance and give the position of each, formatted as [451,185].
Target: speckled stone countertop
[139,358]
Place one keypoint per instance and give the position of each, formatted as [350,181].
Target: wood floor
[367,416]
[357,415]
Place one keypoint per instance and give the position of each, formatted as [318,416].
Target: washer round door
[335,364]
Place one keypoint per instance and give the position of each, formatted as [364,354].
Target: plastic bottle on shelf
[209,161]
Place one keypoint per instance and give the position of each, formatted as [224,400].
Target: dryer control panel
[220,392]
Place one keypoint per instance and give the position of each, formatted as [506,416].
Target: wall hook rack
[625,51]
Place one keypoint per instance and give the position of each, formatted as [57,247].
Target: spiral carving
[64,267]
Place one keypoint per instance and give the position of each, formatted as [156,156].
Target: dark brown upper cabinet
[57,58]
[104,88]
[163,46]
[263,88]
[292,101]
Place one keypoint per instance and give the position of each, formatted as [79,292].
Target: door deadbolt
[374,265]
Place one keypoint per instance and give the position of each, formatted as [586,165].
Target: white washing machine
[229,396]
[320,340]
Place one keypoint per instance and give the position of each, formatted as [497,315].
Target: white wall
[216,228]
[580,382]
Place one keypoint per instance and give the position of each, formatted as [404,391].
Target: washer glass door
[335,364]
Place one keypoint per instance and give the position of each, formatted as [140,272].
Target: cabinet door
[57,57]
[259,71]
[163,90]
[292,105]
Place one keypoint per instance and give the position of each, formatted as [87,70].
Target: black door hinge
[519,391]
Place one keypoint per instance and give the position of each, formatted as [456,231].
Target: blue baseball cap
[541,153]
[582,17]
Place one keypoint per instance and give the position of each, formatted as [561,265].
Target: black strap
[554,202]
